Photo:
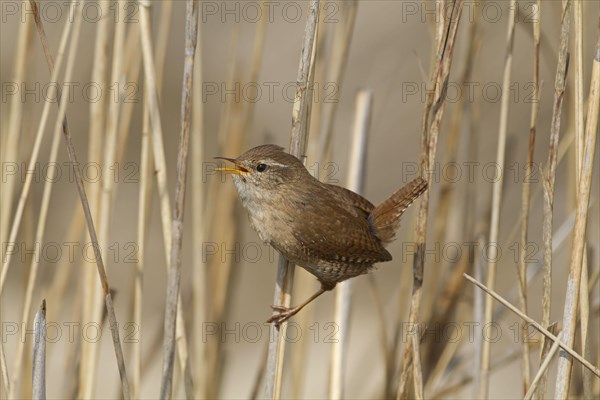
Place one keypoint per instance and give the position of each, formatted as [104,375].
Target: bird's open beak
[238,170]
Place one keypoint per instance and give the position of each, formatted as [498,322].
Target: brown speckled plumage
[330,231]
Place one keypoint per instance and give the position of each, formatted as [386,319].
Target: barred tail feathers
[385,218]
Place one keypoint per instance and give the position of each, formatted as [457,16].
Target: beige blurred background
[390,54]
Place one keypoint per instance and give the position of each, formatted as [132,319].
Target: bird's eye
[261,167]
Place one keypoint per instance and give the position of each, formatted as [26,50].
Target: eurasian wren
[330,231]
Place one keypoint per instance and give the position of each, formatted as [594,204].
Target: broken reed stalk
[497,198]
[526,194]
[535,324]
[355,182]
[299,135]
[174,276]
[576,261]
[38,374]
[429,137]
[86,209]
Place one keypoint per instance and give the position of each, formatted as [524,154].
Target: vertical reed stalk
[576,262]
[191,36]
[42,218]
[355,182]
[299,136]
[200,279]
[434,108]
[151,75]
[86,209]
[526,195]
[38,375]
[497,199]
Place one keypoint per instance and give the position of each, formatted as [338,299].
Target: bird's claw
[284,313]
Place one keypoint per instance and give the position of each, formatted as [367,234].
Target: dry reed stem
[257,56]
[146,167]
[95,149]
[444,360]
[478,310]
[132,58]
[483,383]
[448,290]
[342,38]
[235,120]
[174,276]
[402,302]
[146,173]
[355,182]
[429,136]
[144,199]
[34,156]
[97,133]
[546,354]
[579,101]
[312,153]
[86,209]
[151,78]
[10,149]
[44,206]
[38,375]
[222,200]
[548,181]
[298,138]
[564,145]
[576,260]
[388,357]
[305,285]
[199,278]
[497,364]
[526,194]
[26,187]
[162,42]
[5,378]
[535,324]
[90,360]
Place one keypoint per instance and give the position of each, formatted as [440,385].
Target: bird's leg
[286,313]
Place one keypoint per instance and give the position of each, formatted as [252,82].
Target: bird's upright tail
[385,218]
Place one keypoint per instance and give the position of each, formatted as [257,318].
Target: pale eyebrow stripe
[276,164]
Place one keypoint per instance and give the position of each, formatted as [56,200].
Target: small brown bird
[330,231]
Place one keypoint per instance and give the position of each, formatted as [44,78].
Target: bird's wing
[333,234]
[354,203]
